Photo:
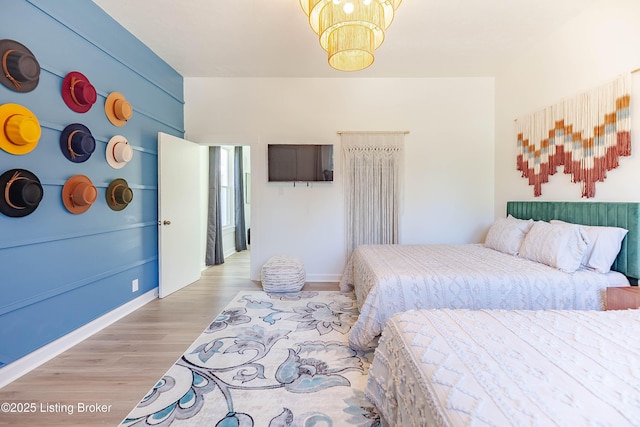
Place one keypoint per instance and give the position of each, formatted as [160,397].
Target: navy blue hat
[77,143]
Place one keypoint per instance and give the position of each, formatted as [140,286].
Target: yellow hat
[19,129]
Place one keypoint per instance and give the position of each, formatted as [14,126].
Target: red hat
[78,93]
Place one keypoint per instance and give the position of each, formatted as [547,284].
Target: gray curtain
[214,255]
[241,229]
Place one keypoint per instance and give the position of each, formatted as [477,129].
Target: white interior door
[178,213]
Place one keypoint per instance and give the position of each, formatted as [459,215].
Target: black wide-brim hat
[77,143]
[20,70]
[20,192]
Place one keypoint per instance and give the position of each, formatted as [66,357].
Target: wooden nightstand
[622,298]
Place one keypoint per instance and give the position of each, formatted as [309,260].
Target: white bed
[388,279]
[506,368]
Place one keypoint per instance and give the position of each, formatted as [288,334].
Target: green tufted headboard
[613,214]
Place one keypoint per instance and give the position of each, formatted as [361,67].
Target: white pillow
[604,246]
[506,234]
[557,245]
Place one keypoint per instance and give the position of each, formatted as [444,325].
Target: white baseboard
[323,277]
[25,364]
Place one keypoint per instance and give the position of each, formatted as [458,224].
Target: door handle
[166,222]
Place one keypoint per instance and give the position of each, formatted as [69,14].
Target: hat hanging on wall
[78,194]
[119,195]
[20,192]
[20,69]
[77,143]
[78,93]
[19,129]
[117,109]
[119,152]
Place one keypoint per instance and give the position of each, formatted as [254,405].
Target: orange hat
[78,194]
[117,109]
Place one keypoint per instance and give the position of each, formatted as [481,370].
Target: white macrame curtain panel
[587,134]
[373,164]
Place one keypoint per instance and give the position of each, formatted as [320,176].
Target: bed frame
[613,214]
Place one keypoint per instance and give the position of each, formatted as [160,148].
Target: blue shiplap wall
[59,271]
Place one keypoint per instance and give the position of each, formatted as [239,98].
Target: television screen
[302,162]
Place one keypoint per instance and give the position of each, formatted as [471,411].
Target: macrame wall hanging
[586,135]
[372,187]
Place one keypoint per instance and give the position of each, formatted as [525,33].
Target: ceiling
[272,38]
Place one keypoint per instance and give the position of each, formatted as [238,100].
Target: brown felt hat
[20,68]
[78,194]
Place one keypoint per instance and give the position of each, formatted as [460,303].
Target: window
[226,186]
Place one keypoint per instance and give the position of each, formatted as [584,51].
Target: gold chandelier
[350,30]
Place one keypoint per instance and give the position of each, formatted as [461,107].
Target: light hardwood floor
[117,366]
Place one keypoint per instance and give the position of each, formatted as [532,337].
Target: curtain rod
[635,71]
[340,132]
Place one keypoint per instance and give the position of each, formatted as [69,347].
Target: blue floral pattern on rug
[269,359]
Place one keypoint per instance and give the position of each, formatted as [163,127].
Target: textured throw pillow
[506,234]
[557,245]
[604,246]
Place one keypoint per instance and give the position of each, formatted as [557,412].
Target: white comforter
[388,279]
[508,368]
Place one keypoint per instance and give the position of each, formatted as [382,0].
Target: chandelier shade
[350,30]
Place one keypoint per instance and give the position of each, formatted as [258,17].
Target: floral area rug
[269,359]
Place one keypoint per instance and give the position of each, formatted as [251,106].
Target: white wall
[593,49]
[449,157]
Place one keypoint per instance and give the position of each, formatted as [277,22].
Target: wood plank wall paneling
[60,271]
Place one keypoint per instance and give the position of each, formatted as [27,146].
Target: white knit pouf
[282,274]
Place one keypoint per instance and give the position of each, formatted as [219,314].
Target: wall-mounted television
[300,162]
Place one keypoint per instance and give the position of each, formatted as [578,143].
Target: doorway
[227,214]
